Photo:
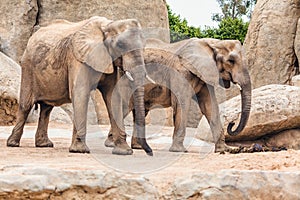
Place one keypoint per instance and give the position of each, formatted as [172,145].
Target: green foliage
[228,28]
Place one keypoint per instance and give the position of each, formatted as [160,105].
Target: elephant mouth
[224,83]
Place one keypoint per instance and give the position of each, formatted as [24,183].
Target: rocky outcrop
[269,44]
[47,183]
[18,17]
[230,184]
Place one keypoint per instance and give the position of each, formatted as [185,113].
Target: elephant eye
[121,45]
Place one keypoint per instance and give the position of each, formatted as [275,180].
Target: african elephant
[64,61]
[188,69]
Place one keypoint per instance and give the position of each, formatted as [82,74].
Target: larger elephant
[64,61]
[192,68]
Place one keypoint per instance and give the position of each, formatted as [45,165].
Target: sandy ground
[164,165]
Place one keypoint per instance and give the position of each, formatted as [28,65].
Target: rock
[10,80]
[269,44]
[45,183]
[151,14]
[236,184]
[289,139]
[18,17]
[275,108]
[9,90]
[296,81]
[20,181]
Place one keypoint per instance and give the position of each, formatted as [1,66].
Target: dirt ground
[164,165]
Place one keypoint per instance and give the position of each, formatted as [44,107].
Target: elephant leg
[180,111]
[134,140]
[41,136]
[84,79]
[17,132]
[209,107]
[80,103]
[116,137]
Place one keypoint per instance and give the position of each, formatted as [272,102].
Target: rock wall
[48,183]
[269,44]
[18,17]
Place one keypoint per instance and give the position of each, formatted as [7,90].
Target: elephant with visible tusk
[187,69]
[64,61]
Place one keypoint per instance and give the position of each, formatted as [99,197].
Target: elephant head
[228,56]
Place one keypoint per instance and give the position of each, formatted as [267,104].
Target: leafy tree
[234,9]
[228,28]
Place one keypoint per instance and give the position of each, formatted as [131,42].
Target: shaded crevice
[296,65]
[36,26]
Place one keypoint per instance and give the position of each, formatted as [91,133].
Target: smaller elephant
[188,69]
[64,61]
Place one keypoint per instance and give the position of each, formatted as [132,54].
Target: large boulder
[275,109]
[269,44]
[9,88]
[10,79]
[17,19]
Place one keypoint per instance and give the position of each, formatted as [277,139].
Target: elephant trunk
[137,77]
[246,106]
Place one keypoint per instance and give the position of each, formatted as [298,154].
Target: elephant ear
[88,45]
[198,58]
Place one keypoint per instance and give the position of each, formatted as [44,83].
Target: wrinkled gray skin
[191,68]
[64,61]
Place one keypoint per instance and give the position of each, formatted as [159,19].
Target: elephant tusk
[150,79]
[129,76]
[239,86]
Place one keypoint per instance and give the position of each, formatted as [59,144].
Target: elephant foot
[122,149]
[109,142]
[79,146]
[135,144]
[13,141]
[44,143]
[177,148]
